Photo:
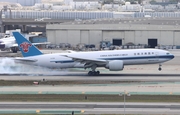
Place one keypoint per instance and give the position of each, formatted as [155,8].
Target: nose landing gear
[160,67]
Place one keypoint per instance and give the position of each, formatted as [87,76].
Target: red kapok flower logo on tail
[25,46]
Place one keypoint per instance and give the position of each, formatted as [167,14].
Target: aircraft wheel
[90,73]
[14,51]
[97,73]
[160,69]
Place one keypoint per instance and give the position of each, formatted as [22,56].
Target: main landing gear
[160,67]
[93,72]
[14,49]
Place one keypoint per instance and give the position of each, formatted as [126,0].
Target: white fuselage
[129,57]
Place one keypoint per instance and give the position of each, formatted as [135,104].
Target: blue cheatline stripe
[123,58]
[146,57]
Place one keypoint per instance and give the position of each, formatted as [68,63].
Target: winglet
[26,47]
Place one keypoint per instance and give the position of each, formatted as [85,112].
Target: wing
[70,51]
[89,62]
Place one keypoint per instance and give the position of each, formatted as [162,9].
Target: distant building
[23,2]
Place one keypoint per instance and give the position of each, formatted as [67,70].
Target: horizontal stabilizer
[70,51]
[25,60]
[41,43]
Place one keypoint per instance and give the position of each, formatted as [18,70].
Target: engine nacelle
[115,65]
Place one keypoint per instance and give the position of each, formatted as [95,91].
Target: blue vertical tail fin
[26,47]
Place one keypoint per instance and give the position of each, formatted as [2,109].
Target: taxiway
[93,107]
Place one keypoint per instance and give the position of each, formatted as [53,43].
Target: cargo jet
[9,42]
[114,60]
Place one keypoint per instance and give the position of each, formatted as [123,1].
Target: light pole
[124,94]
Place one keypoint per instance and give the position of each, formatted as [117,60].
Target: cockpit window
[167,53]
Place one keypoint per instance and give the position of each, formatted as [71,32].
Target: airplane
[114,60]
[9,42]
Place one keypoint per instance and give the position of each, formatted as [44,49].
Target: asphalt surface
[97,108]
[87,105]
[170,71]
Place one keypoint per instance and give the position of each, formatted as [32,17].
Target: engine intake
[115,65]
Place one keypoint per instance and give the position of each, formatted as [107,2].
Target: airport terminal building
[153,32]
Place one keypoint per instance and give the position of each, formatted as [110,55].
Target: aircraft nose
[2,45]
[171,56]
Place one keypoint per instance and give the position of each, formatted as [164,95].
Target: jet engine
[115,65]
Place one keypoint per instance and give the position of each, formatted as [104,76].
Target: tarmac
[89,108]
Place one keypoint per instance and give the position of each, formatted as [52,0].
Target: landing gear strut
[93,72]
[14,49]
[160,67]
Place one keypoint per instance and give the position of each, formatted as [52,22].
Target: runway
[169,69]
[94,107]
[103,77]
[84,105]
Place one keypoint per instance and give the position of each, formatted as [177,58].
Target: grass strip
[87,98]
[41,82]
